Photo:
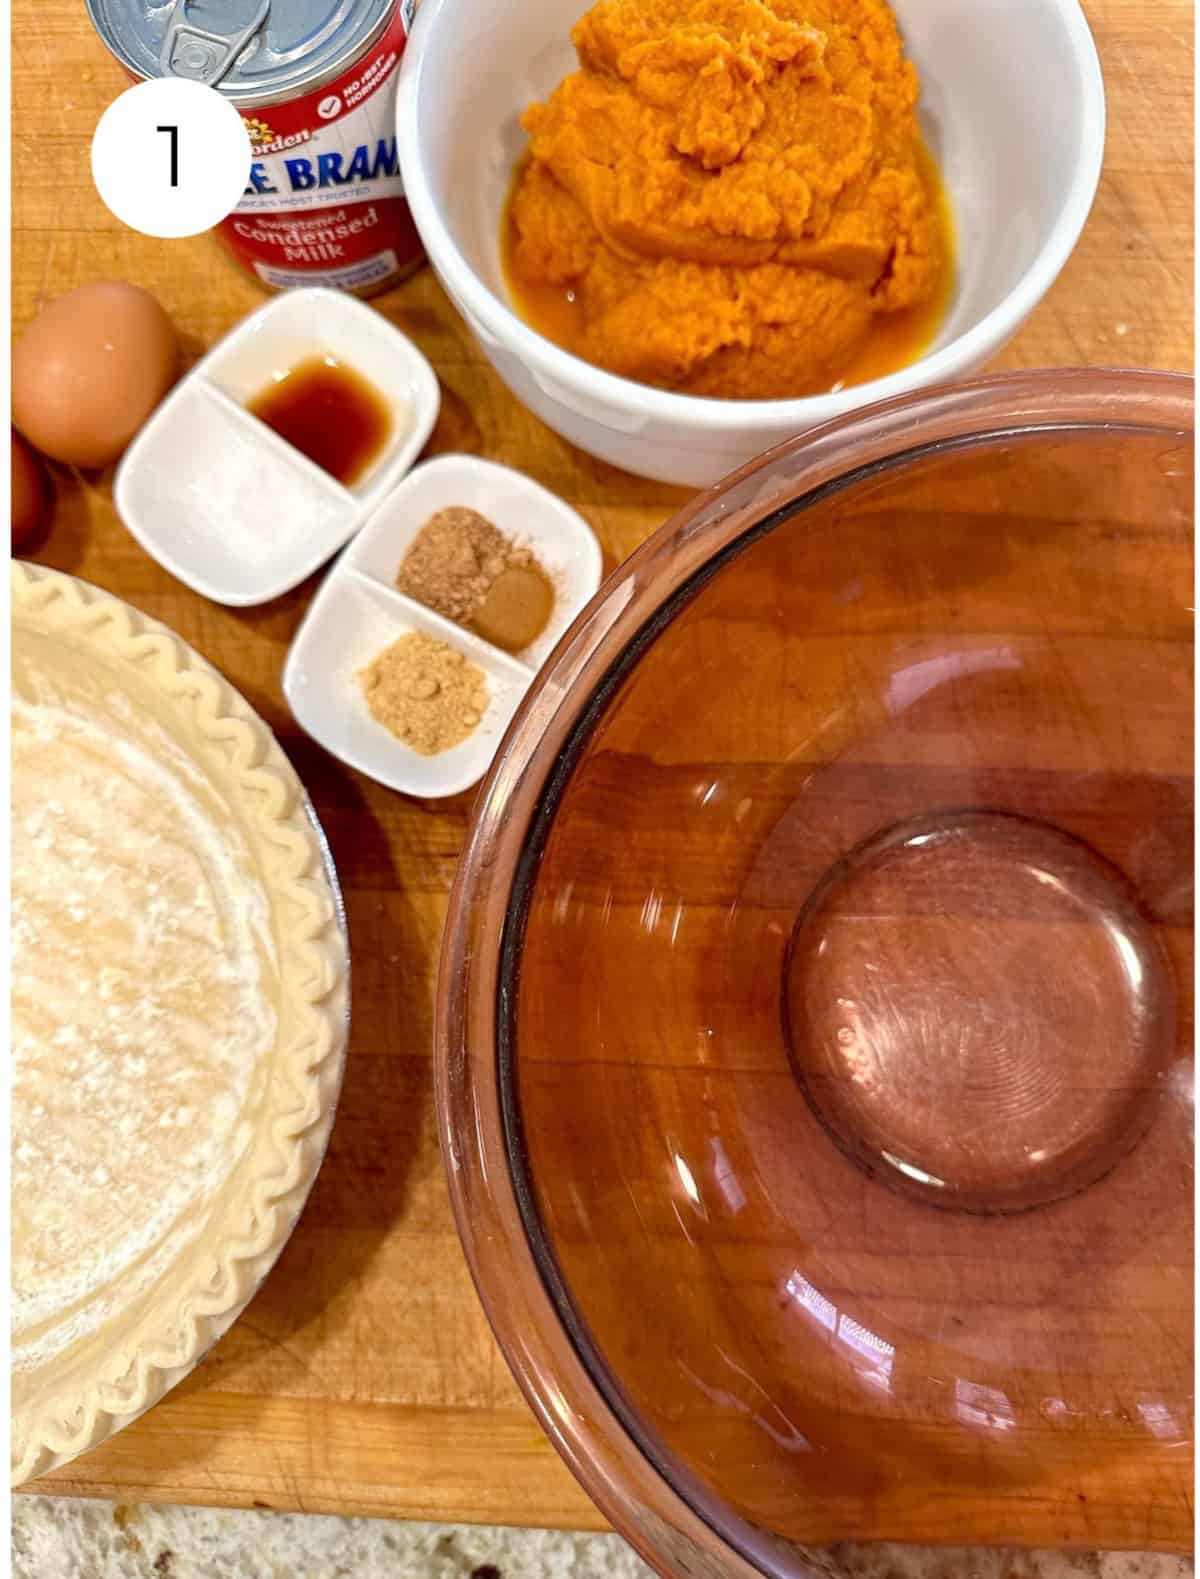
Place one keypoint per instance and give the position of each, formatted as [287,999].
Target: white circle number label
[171,157]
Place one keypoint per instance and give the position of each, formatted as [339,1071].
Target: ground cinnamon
[463,567]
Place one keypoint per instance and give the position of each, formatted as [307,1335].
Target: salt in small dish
[227,505]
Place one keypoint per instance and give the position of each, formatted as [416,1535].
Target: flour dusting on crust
[142,1002]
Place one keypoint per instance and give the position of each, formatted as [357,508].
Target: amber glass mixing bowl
[815,1021]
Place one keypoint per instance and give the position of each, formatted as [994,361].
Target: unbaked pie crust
[179,1003]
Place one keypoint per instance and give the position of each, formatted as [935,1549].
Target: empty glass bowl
[815,1021]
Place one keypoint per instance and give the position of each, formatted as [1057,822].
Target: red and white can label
[325,203]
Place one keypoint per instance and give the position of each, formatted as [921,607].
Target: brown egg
[32,493]
[90,369]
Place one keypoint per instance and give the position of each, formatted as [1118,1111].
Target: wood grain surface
[363,1377]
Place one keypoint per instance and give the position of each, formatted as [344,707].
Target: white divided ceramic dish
[226,505]
[359,611]
[1012,105]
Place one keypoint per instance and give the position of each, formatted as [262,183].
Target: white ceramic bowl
[1012,106]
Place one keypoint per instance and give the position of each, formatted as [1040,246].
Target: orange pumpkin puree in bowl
[732,198]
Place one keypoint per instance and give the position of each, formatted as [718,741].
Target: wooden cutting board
[363,1378]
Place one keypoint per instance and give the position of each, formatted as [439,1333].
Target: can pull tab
[198,55]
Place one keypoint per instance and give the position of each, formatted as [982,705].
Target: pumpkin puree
[728,194]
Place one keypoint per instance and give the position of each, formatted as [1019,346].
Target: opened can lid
[255,51]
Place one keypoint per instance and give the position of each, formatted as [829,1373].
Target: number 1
[173,133]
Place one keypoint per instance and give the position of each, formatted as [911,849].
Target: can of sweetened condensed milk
[315,82]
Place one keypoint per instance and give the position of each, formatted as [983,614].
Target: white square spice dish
[359,611]
[227,505]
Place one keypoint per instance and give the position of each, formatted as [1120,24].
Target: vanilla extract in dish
[328,412]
